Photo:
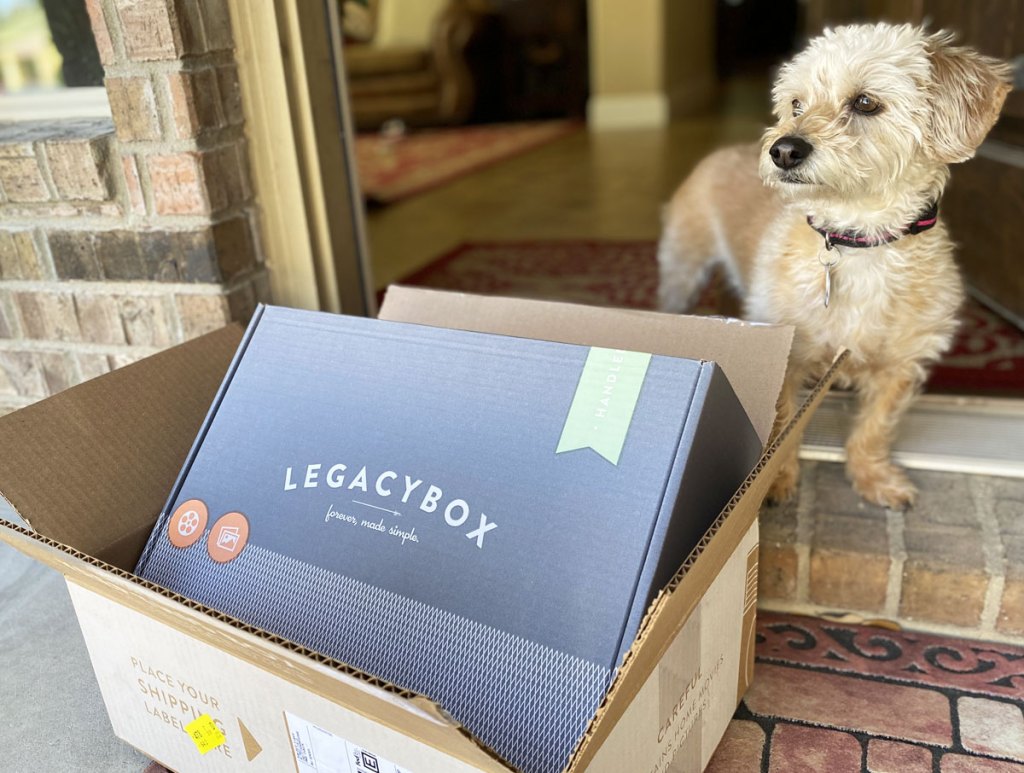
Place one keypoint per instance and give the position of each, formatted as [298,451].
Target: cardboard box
[436,507]
[90,469]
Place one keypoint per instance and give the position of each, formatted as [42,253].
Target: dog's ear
[967,91]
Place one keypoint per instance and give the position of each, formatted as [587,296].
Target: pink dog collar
[927,220]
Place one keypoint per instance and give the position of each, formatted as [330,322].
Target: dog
[830,224]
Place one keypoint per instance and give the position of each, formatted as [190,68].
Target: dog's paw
[885,485]
[784,486]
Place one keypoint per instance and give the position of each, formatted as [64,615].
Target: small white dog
[831,224]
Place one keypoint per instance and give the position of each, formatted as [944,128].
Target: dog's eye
[866,105]
[797,107]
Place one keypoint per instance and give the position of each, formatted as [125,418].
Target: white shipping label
[319,751]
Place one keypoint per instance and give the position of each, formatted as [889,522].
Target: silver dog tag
[828,265]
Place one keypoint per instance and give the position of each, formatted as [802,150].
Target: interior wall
[650,60]
[406,22]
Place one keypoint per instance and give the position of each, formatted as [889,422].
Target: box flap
[393,707]
[672,608]
[753,356]
[147,413]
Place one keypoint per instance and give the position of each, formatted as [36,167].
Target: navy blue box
[481,519]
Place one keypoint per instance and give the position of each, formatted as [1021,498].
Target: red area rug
[851,698]
[394,168]
[987,357]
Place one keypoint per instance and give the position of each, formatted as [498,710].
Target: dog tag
[827,265]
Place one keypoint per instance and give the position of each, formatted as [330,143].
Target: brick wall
[119,238]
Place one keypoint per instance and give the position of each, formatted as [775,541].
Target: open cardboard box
[90,470]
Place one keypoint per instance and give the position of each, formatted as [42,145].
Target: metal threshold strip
[949,433]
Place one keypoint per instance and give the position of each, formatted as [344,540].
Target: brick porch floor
[953,563]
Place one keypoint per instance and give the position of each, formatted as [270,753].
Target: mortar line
[112,21]
[805,529]
[992,550]
[895,523]
[102,222]
[103,287]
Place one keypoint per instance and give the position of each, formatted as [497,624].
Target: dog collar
[926,220]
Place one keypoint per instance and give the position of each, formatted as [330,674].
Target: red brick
[80,168]
[201,314]
[149,29]
[23,373]
[797,749]
[22,180]
[1011,608]
[133,183]
[741,748]
[58,370]
[178,184]
[7,387]
[19,258]
[961,763]
[133,106]
[897,711]
[149,320]
[217,25]
[777,572]
[849,556]
[941,594]
[92,365]
[991,727]
[195,102]
[123,358]
[100,31]
[48,316]
[10,327]
[893,757]
[232,241]
[242,303]
[230,95]
[188,16]
[226,175]
[99,318]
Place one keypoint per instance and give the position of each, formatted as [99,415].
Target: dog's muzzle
[789,152]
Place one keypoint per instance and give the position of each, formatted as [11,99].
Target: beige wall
[626,46]
[406,22]
[649,60]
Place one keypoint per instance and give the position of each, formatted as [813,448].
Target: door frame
[301,152]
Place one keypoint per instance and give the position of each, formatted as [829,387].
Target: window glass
[46,45]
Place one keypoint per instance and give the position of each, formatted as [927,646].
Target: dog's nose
[791,151]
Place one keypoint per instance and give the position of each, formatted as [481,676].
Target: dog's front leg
[785,483]
[884,397]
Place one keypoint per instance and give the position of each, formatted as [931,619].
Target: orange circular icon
[228,537]
[188,523]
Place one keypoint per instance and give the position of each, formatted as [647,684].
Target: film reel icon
[188,523]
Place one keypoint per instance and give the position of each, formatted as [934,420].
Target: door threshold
[948,433]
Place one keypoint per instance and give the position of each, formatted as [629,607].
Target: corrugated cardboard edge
[673,606]
[294,663]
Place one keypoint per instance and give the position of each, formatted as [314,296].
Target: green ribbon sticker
[602,408]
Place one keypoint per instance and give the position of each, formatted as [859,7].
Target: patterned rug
[987,357]
[394,168]
[851,698]
[840,698]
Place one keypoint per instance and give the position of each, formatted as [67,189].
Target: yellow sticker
[204,733]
